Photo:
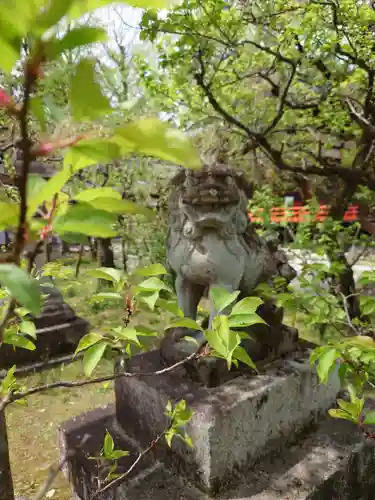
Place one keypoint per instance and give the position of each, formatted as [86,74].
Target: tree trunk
[79,260]
[106,253]
[65,248]
[123,253]
[345,282]
[6,482]
[106,259]
[94,249]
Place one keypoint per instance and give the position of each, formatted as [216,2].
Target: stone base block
[332,462]
[233,425]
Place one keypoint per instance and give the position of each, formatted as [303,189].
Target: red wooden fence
[298,214]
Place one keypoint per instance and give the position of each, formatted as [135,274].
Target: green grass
[33,431]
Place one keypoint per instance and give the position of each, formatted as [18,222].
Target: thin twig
[54,472]
[141,455]
[15,396]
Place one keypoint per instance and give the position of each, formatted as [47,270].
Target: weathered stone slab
[332,462]
[259,414]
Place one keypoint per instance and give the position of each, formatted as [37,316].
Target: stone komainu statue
[211,242]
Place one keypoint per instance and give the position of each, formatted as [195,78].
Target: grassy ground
[33,431]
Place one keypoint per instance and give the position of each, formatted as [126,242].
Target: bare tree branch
[15,396]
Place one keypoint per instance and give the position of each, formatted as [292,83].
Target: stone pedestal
[260,438]
[233,425]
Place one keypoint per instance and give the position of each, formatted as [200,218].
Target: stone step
[332,462]
[54,318]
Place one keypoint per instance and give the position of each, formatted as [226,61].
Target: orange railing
[301,214]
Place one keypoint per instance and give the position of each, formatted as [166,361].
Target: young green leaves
[180,415]
[223,340]
[22,287]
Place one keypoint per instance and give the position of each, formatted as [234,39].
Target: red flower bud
[5,100]
[47,148]
[44,232]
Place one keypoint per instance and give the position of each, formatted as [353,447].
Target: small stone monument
[238,425]
[58,329]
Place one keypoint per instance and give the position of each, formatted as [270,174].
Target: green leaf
[77,37]
[168,409]
[128,333]
[185,323]
[106,273]
[50,16]
[86,98]
[149,298]
[8,214]
[360,341]
[8,381]
[89,195]
[154,284]
[109,445]
[181,413]
[90,152]
[93,356]
[17,340]
[215,342]
[114,206]
[170,306]
[117,454]
[228,337]
[22,287]
[240,320]
[46,193]
[85,219]
[87,341]
[28,328]
[369,418]
[21,311]
[240,354]
[34,184]
[248,305]
[152,270]
[9,54]
[336,413]
[37,109]
[152,137]
[354,407]
[222,298]
[327,363]
[107,296]
[169,435]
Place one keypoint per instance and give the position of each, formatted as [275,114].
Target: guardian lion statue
[212,243]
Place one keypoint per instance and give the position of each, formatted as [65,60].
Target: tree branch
[15,396]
